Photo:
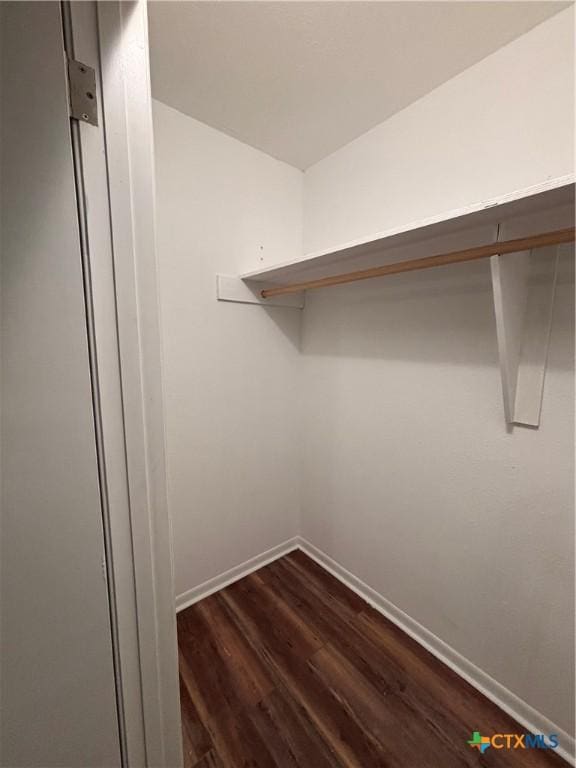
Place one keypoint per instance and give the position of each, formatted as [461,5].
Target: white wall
[230,370]
[412,482]
[504,124]
[410,478]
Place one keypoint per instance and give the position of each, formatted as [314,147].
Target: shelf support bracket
[524,285]
[240,291]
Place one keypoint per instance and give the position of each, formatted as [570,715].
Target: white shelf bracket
[524,286]
[229,288]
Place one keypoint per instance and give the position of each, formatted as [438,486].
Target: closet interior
[365,245]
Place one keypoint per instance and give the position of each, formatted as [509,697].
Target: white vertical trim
[129,146]
[82,33]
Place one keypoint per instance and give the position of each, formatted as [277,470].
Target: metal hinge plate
[82,85]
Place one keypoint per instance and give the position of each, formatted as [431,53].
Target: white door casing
[121,365]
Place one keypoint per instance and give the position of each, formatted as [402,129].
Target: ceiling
[298,80]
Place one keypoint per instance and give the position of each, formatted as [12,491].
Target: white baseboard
[509,702]
[530,718]
[217,583]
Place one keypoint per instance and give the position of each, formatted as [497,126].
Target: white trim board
[207,588]
[509,702]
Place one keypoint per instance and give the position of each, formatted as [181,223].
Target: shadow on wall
[444,315]
[283,318]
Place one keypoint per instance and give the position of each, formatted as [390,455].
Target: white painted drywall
[300,80]
[410,478]
[411,481]
[230,370]
[501,125]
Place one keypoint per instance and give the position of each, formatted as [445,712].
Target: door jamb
[118,173]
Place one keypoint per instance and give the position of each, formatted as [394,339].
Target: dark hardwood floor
[288,667]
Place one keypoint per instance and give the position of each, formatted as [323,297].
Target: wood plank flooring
[288,667]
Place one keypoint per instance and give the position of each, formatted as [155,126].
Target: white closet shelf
[520,233]
[462,228]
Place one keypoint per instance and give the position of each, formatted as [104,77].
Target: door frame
[115,184]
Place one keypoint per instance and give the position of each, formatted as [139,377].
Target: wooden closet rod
[440,260]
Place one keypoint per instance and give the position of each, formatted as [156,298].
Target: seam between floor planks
[288,667]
